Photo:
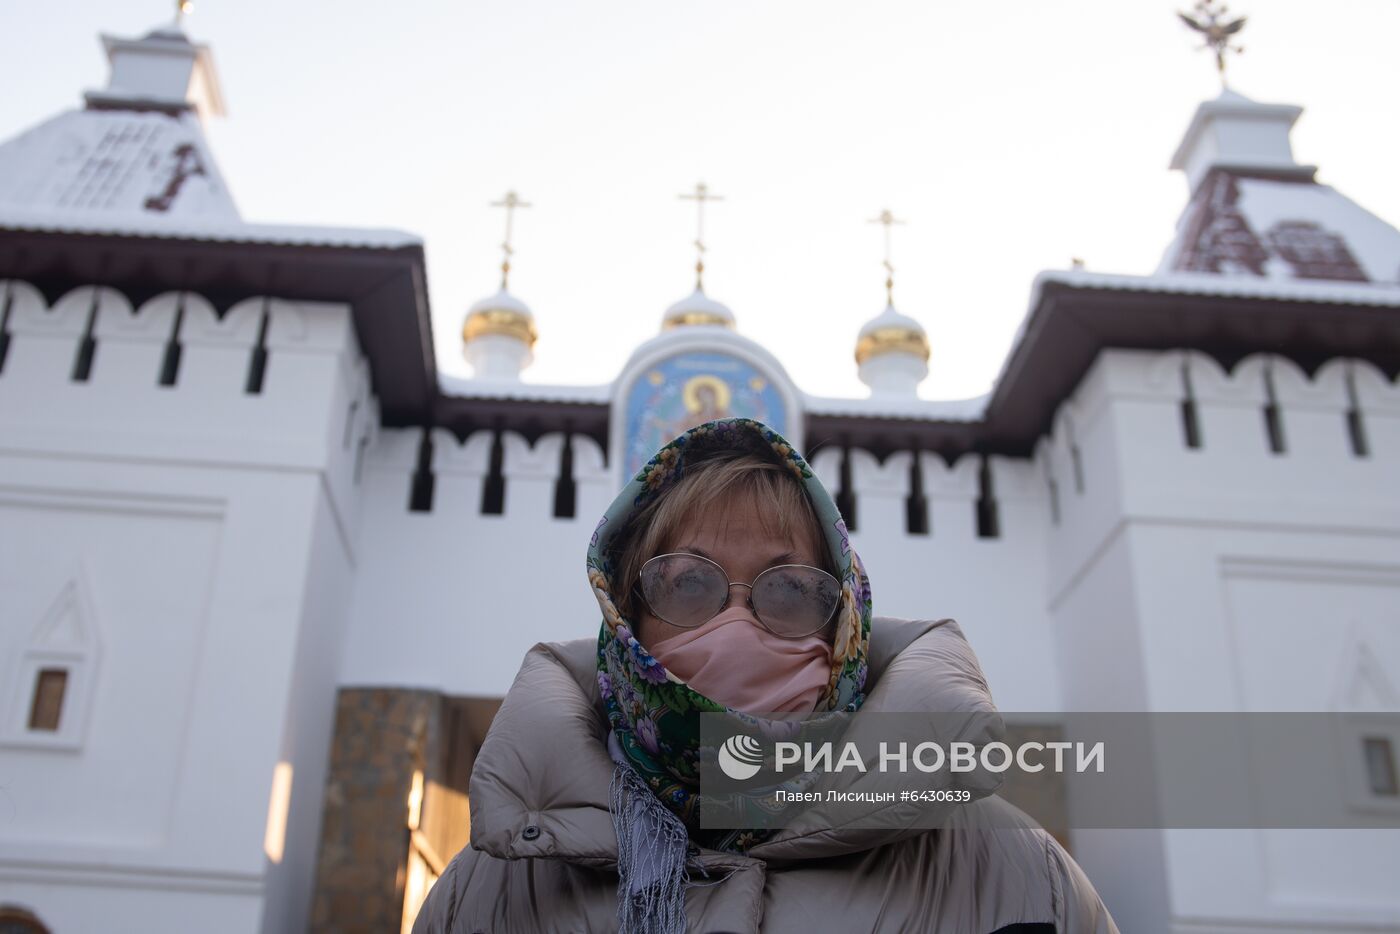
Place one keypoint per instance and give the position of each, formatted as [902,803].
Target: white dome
[501,301]
[890,318]
[697,308]
[498,336]
[892,353]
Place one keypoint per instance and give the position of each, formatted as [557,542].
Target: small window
[47,705]
[1380,766]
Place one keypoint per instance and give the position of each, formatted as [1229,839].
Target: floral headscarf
[653,714]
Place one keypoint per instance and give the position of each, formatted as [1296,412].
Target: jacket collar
[539,787]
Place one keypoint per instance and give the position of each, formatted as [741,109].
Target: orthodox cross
[510,202]
[888,220]
[1210,22]
[701,195]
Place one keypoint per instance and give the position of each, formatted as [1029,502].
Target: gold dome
[889,340]
[891,332]
[697,317]
[502,314]
[697,308]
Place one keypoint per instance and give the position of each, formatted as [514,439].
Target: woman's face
[735,540]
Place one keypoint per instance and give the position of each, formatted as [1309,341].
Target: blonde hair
[733,477]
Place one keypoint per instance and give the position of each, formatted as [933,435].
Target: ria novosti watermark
[1081,770]
[740,757]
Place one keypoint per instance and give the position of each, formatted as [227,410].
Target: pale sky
[1011,136]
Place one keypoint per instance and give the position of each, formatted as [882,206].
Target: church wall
[1106,583]
[1239,577]
[992,585]
[309,724]
[451,599]
[1284,623]
[478,586]
[158,541]
[1091,600]
[445,599]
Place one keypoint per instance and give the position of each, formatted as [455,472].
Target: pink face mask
[735,661]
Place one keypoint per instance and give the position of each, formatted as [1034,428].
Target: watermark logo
[740,757]
[1067,770]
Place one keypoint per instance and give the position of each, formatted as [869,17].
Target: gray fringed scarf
[651,852]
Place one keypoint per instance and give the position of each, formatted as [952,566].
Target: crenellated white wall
[478,586]
[213,563]
[993,586]
[188,548]
[452,599]
[1231,577]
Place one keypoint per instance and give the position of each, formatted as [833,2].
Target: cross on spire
[701,195]
[888,220]
[1209,22]
[510,202]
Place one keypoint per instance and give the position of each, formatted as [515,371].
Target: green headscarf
[653,714]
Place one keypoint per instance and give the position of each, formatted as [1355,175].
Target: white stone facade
[210,523]
[220,565]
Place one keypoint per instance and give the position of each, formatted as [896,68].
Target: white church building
[261,576]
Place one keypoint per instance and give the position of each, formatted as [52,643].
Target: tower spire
[510,202]
[701,195]
[1210,22]
[182,7]
[888,219]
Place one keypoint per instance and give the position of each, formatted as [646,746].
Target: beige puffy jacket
[543,853]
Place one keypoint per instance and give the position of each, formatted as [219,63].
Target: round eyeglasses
[790,600]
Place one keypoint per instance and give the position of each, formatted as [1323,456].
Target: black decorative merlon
[565,490]
[493,490]
[170,360]
[87,346]
[988,525]
[1356,428]
[1273,417]
[846,493]
[420,497]
[1190,418]
[257,363]
[916,504]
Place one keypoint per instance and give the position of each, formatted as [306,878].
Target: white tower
[163,70]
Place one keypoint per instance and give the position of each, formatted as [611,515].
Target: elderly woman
[727,583]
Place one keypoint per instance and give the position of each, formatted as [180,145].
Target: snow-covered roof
[1205,284]
[1286,229]
[140,174]
[127,225]
[929,410]
[115,163]
[601,394]
[1196,283]
[126,167]
[481,388]
[1255,212]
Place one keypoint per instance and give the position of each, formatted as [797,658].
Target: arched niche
[678,381]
